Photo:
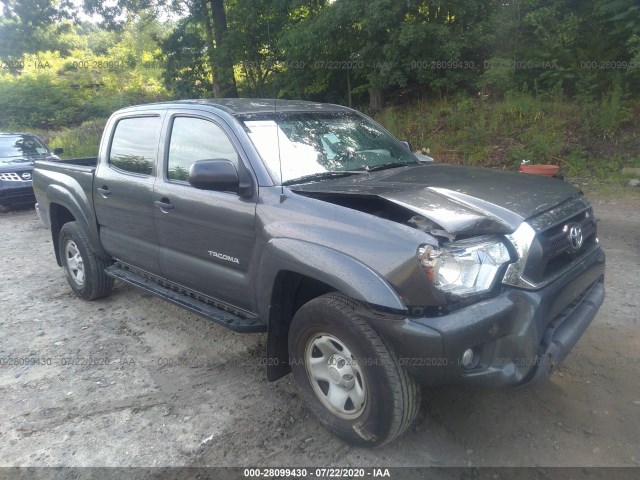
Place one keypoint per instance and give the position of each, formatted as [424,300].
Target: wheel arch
[58,216]
[290,291]
[63,208]
[293,272]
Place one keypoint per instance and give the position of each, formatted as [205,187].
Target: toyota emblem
[575,237]
[26,176]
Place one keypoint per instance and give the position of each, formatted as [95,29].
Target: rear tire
[82,267]
[348,375]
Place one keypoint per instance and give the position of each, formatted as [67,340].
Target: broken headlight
[466,267]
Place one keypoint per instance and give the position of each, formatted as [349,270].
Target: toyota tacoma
[372,270]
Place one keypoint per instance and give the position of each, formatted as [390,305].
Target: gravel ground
[134,381]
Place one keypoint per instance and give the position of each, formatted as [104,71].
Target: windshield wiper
[322,176]
[344,173]
[385,166]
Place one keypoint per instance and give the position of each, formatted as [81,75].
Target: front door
[123,191]
[206,237]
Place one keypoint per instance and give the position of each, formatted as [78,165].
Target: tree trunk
[376,99]
[210,49]
[349,89]
[223,76]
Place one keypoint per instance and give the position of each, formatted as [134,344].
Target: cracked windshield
[309,147]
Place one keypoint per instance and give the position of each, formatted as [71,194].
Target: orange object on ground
[546,170]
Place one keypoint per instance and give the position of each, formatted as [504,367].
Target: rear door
[123,190]
[206,237]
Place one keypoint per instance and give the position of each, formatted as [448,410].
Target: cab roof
[246,106]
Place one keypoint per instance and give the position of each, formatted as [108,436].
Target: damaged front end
[472,224]
[462,265]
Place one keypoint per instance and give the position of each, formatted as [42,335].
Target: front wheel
[82,267]
[348,375]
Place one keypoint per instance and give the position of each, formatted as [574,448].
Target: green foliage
[557,47]
[51,89]
[499,76]
[38,100]
[28,26]
[521,126]
[80,141]
[612,113]
[187,72]
[254,26]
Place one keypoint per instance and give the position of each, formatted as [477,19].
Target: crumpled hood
[460,199]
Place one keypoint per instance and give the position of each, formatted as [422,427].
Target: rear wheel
[348,375]
[82,267]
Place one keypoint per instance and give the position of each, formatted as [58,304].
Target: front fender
[334,268]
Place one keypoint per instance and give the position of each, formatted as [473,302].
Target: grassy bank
[80,141]
[586,139]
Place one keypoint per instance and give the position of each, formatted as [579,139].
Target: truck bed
[86,164]
[84,161]
[67,182]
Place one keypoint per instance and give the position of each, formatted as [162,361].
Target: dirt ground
[134,381]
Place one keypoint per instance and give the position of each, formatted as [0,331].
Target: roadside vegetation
[586,139]
[483,83]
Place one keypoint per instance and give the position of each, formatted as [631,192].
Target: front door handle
[163,204]
[104,191]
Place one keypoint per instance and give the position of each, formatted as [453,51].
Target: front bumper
[517,337]
[16,193]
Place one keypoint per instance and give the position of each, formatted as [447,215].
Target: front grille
[552,249]
[556,215]
[544,244]
[10,177]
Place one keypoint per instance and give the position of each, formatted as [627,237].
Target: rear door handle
[163,205]
[104,191]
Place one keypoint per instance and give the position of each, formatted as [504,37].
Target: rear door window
[135,144]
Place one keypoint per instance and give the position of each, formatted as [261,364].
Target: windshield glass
[314,143]
[12,146]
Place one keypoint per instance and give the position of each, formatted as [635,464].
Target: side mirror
[406,144]
[58,151]
[220,175]
[423,158]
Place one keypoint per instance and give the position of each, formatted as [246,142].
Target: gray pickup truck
[371,270]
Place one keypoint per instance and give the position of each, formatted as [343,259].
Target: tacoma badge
[222,256]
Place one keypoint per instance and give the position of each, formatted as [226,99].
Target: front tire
[82,267]
[348,375]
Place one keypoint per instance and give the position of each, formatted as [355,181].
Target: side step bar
[184,300]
